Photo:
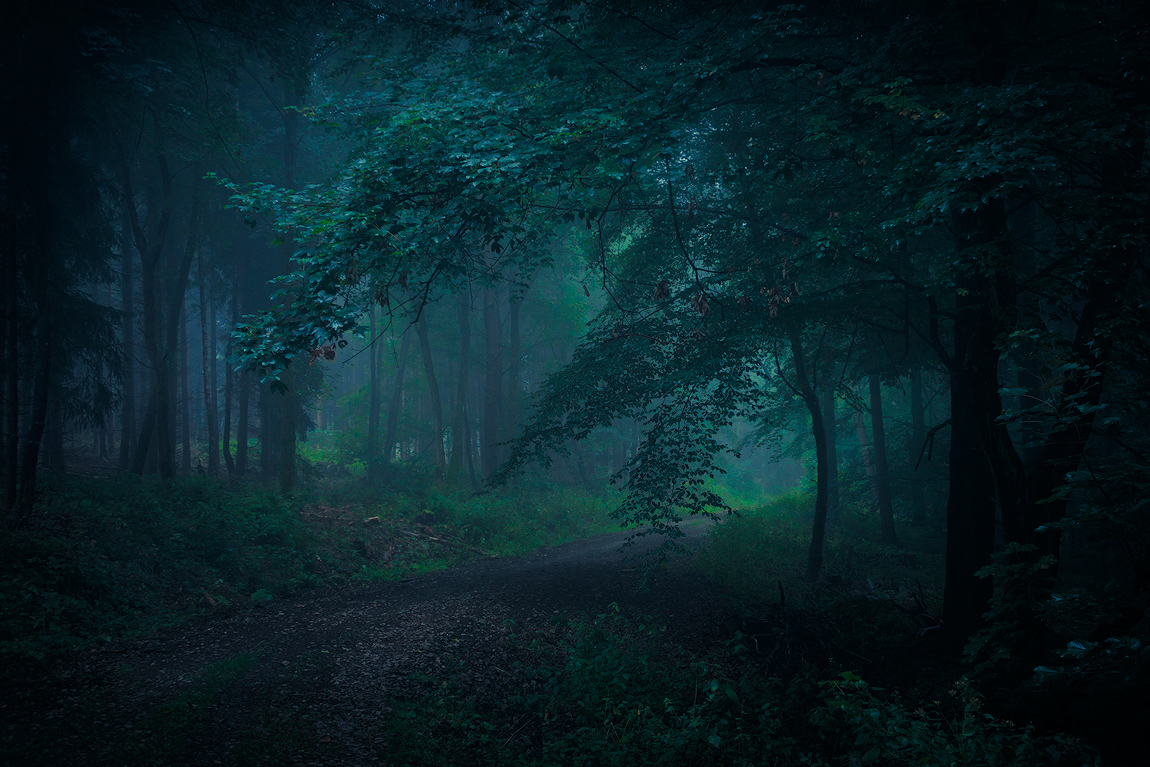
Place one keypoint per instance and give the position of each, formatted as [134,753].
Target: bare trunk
[459,427]
[375,356]
[514,382]
[127,288]
[207,315]
[11,383]
[818,430]
[396,400]
[917,440]
[185,398]
[245,396]
[490,451]
[882,476]
[433,390]
[827,404]
[289,407]
[27,490]
[229,376]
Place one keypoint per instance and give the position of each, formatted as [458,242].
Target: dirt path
[309,681]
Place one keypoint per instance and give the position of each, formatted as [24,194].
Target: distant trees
[776,206]
[769,183]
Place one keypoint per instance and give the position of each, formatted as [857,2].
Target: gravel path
[322,670]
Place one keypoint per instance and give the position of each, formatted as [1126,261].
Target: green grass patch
[106,558]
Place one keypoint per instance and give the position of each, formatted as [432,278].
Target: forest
[542,382]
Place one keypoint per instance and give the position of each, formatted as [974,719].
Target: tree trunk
[882,475]
[867,458]
[229,376]
[396,400]
[514,382]
[128,308]
[818,430]
[459,427]
[269,434]
[827,405]
[39,414]
[491,396]
[917,442]
[207,315]
[969,519]
[375,358]
[433,390]
[242,425]
[185,397]
[289,409]
[11,382]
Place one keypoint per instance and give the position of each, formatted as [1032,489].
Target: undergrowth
[105,558]
[612,691]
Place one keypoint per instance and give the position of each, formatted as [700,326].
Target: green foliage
[860,724]
[611,690]
[109,557]
[748,554]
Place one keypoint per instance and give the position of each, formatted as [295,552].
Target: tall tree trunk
[396,402]
[867,458]
[207,315]
[827,405]
[242,423]
[185,397]
[39,414]
[11,382]
[917,442]
[818,431]
[459,427]
[271,421]
[375,356]
[433,390]
[492,378]
[514,373]
[128,323]
[289,410]
[229,376]
[882,474]
[54,435]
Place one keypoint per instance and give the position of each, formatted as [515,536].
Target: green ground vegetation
[110,557]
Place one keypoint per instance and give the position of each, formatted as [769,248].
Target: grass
[107,558]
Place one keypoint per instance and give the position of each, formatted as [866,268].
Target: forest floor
[326,679]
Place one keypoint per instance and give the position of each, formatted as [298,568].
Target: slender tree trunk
[818,430]
[128,309]
[54,435]
[41,381]
[185,396]
[514,372]
[887,533]
[375,356]
[242,423]
[229,376]
[271,422]
[493,376]
[11,382]
[917,441]
[433,390]
[459,427]
[214,444]
[207,315]
[289,405]
[396,402]
[827,404]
